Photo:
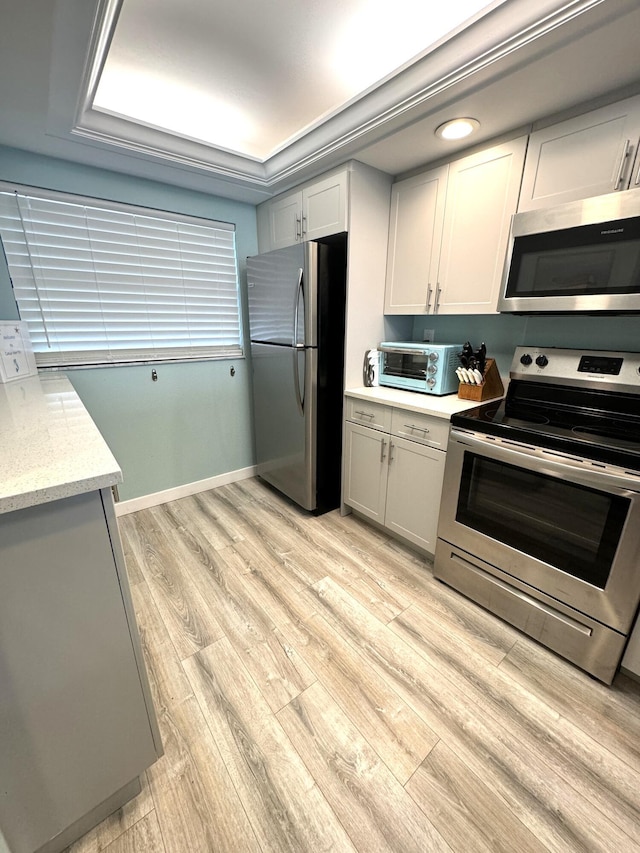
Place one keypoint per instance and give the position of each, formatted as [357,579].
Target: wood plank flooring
[318,690]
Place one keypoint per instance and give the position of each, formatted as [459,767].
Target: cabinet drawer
[425,429]
[374,415]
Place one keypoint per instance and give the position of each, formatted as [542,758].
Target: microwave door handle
[623,160]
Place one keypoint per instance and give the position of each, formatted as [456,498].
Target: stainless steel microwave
[580,256]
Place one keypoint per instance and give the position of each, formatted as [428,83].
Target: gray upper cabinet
[589,155]
[448,234]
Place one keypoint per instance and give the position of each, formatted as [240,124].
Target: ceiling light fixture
[457,128]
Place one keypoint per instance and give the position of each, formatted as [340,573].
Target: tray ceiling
[516,64]
[252,76]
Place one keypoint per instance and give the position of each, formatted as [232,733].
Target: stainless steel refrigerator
[296,317]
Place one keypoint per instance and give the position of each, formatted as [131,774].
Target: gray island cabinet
[77,724]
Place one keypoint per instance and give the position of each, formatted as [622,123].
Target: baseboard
[630,674]
[157,498]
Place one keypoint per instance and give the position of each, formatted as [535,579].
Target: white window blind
[103,284]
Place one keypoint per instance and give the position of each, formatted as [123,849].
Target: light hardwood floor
[318,690]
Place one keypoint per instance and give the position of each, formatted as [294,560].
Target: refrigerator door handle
[296,377]
[296,305]
[297,346]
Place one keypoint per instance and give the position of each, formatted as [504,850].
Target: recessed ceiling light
[457,128]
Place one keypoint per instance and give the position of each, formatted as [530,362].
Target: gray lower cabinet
[77,725]
[394,475]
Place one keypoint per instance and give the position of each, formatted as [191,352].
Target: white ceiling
[513,67]
[254,81]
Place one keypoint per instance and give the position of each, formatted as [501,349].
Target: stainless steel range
[540,518]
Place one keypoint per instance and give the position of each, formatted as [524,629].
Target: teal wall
[194,422]
[503,332]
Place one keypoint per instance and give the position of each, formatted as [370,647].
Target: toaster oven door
[405,363]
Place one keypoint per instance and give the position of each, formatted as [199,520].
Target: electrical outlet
[428,335]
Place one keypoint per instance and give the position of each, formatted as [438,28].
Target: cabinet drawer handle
[625,154]
[413,426]
[382,444]
[365,414]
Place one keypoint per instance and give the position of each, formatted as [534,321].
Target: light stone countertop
[49,446]
[412,401]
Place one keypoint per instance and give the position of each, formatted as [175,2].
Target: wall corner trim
[173,494]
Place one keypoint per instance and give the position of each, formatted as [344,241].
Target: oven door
[404,368]
[566,530]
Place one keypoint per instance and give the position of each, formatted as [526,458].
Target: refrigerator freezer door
[285,430]
[282,288]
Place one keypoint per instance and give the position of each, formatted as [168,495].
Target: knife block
[491,387]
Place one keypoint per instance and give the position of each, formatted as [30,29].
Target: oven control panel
[600,364]
[619,370]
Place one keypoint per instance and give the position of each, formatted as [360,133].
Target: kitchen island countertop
[50,447]
[428,404]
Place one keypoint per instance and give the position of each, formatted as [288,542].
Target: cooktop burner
[560,405]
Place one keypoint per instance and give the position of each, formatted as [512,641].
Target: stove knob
[542,361]
[526,359]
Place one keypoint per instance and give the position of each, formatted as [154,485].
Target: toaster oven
[426,368]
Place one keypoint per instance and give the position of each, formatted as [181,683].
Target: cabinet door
[482,195]
[585,156]
[413,491]
[73,717]
[285,221]
[324,207]
[415,231]
[365,470]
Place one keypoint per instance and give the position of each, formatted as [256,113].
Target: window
[103,283]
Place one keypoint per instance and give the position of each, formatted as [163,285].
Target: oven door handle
[547,462]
